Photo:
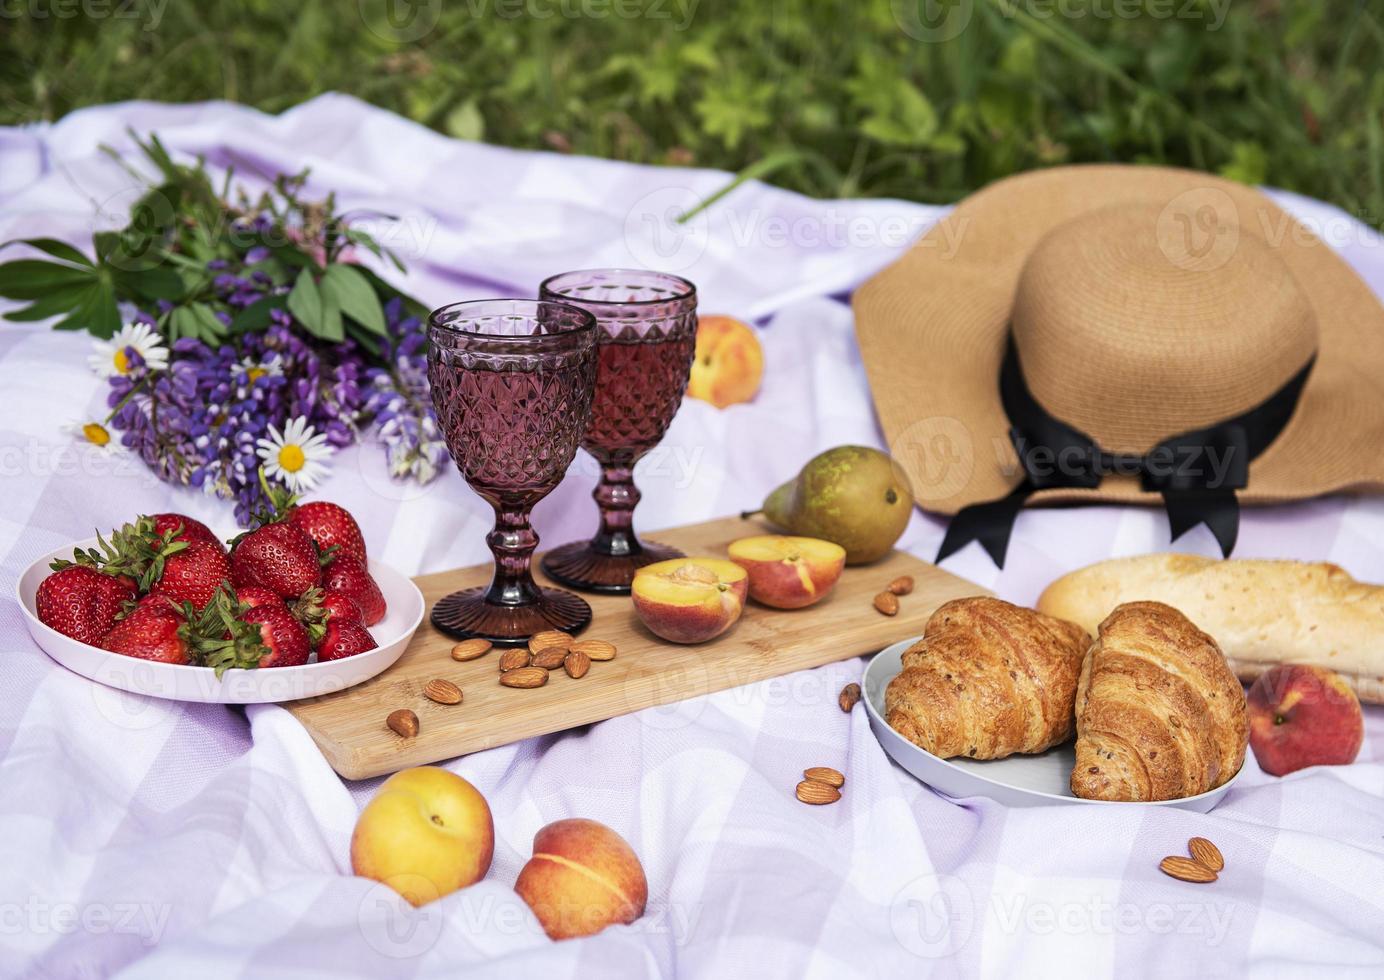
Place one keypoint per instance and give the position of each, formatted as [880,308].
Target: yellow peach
[427,833]
[728,364]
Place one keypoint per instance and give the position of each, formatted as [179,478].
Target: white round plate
[181,682]
[1020,780]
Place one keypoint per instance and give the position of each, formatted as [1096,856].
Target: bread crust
[1159,714]
[1261,612]
[987,680]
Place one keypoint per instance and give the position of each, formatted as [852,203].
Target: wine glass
[512,382]
[647,331]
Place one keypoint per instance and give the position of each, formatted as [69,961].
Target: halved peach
[689,600]
[789,572]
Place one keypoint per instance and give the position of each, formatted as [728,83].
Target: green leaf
[354,296]
[181,323]
[211,326]
[465,122]
[96,312]
[55,248]
[369,342]
[58,301]
[156,282]
[305,303]
[35,278]
[1248,164]
[332,327]
[256,317]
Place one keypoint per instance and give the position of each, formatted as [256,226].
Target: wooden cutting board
[349,726]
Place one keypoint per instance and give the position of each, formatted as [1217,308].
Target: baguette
[1261,613]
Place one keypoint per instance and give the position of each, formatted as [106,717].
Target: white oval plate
[181,682]
[1020,780]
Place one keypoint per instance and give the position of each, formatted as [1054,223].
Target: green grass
[829,97]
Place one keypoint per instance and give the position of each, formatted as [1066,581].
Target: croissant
[1159,714]
[987,679]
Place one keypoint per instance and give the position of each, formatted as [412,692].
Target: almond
[1207,853]
[577,664]
[825,774]
[442,691]
[526,677]
[470,650]
[1185,869]
[815,793]
[514,659]
[849,696]
[550,638]
[901,585]
[595,649]
[887,603]
[403,723]
[549,658]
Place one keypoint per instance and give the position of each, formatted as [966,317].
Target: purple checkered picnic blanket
[158,839]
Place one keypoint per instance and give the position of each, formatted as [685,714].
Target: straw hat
[1139,303]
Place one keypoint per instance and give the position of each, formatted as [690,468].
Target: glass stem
[616,496]
[512,542]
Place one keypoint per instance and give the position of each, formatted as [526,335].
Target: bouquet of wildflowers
[237,335]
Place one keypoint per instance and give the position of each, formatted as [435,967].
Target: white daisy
[296,455]
[108,357]
[254,370]
[95,435]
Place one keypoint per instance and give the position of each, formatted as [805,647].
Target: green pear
[855,496]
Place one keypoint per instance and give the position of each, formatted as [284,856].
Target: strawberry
[229,634]
[330,526]
[344,638]
[136,551]
[284,636]
[80,602]
[194,574]
[152,631]
[338,605]
[185,529]
[317,608]
[251,596]
[345,574]
[279,557]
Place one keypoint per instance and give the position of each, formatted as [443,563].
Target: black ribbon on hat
[1197,472]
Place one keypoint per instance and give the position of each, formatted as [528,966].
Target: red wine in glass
[512,382]
[647,329]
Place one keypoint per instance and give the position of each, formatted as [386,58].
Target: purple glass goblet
[512,381]
[647,332]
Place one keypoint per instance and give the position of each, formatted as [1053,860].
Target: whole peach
[427,833]
[1302,715]
[582,877]
[728,362]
